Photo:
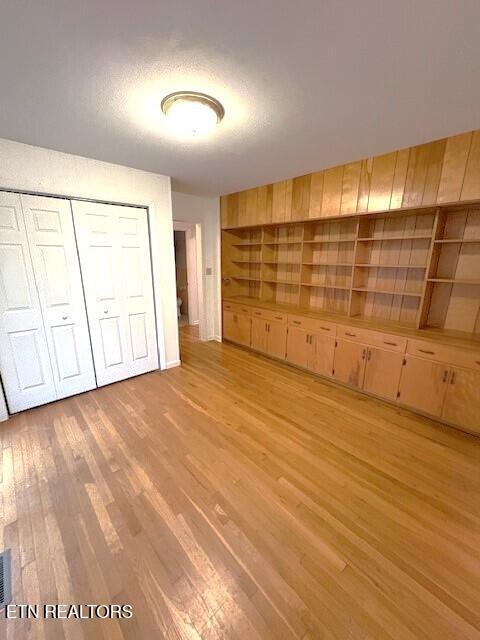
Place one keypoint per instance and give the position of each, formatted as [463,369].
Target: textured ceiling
[305,84]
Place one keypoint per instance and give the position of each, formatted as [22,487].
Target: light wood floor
[238,498]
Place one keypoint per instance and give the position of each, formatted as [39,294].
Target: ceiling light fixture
[191,113]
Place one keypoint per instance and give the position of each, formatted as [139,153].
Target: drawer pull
[296,322]
[325,328]
[258,313]
[348,333]
[430,353]
[391,344]
[452,379]
[278,317]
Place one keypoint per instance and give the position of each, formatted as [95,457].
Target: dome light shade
[191,113]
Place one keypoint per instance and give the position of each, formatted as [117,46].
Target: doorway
[188,299]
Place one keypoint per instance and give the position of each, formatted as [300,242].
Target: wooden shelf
[247,244]
[393,238]
[288,282]
[328,264]
[244,278]
[329,241]
[391,266]
[457,241]
[454,281]
[325,286]
[280,242]
[247,261]
[409,251]
[386,292]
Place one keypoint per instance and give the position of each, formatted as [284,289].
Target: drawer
[313,324]
[267,314]
[444,353]
[237,308]
[374,338]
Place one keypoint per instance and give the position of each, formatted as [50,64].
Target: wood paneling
[454,167]
[350,187]
[443,171]
[382,181]
[332,191]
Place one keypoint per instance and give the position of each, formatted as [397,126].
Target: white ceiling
[305,84]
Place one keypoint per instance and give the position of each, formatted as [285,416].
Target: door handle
[105,311]
[64,317]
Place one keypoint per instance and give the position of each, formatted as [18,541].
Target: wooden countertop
[436,335]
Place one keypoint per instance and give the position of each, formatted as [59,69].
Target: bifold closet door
[27,374]
[114,250]
[53,249]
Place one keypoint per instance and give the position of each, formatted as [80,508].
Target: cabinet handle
[391,344]
[445,375]
[64,317]
[325,328]
[105,311]
[296,322]
[310,341]
[452,379]
[430,353]
[306,338]
[369,354]
[278,317]
[363,354]
[353,335]
[268,328]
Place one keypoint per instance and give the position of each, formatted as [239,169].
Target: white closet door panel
[24,358]
[114,253]
[138,289]
[53,248]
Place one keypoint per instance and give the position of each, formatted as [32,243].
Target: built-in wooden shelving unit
[417,268]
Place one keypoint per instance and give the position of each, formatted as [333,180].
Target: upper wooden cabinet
[439,172]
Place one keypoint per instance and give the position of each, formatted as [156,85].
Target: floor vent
[5,586]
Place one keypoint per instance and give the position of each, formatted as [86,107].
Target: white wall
[27,168]
[206,212]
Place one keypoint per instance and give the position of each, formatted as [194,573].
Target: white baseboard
[172,364]
[217,338]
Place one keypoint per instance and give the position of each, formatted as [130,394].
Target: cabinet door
[53,249]
[259,334]
[298,347]
[423,384]
[349,362]
[277,339]
[323,354]
[237,327]
[382,372]
[462,400]
[114,250]
[24,357]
